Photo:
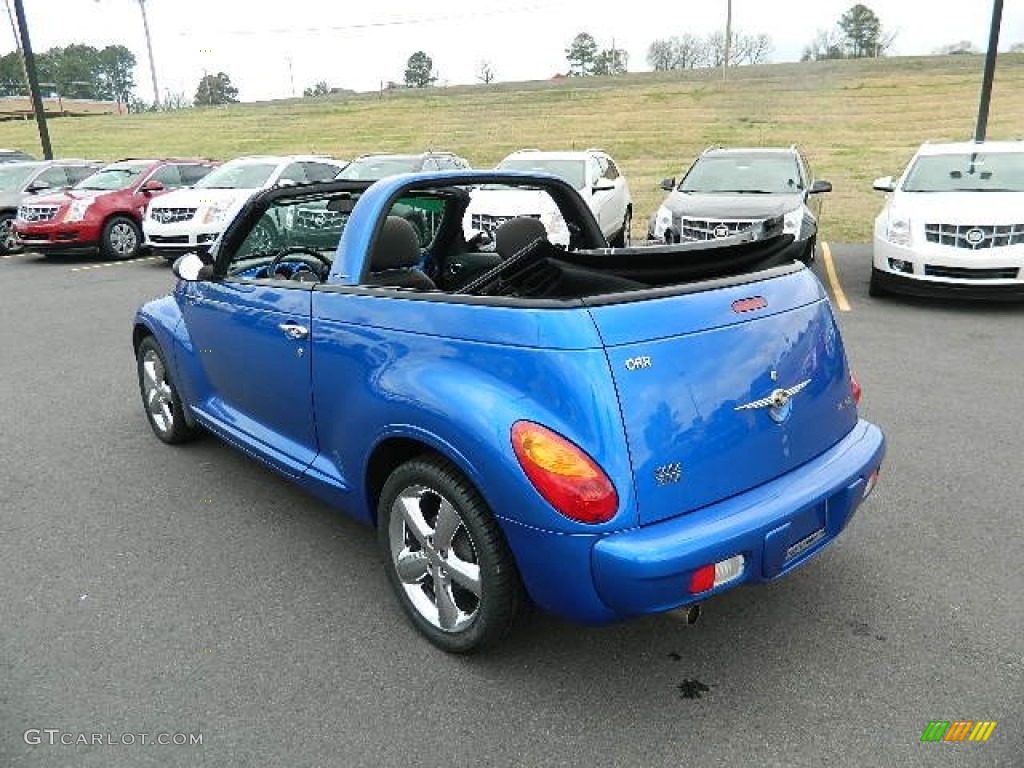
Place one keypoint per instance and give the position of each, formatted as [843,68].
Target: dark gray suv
[21,180]
[726,191]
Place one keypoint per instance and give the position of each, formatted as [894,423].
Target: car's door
[250,337]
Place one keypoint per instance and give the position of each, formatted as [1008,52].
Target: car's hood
[59,198]
[194,198]
[731,206]
[960,207]
[13,199]
[510,202]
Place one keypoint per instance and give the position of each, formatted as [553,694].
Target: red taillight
[563,474]
[703,579]
[855,389]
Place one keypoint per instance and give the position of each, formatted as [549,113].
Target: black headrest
[397,246]
[515,234]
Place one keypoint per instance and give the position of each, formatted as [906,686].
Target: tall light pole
[149,50]
[33,81]
[728,38]
[990,70]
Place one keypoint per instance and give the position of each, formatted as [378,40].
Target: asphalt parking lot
[156,590]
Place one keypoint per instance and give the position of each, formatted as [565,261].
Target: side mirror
[819,186]
[668,184]
[191,268]
[152,186]
[884,184]
[603,185]
[37,186]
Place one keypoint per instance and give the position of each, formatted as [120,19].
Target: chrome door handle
[293,331]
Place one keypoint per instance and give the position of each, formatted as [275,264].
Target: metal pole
[990,71]
[728,39]
[149,49]
[33,81]
[17,41]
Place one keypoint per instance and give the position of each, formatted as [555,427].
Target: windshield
[13,176]
[967,172]
[373,168]
[743,174]
[573,171]
[113,177]
[240,176]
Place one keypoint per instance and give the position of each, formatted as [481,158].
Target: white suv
[191,219]
[953,223]
[591,172]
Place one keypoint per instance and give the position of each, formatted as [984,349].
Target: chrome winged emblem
[778,402]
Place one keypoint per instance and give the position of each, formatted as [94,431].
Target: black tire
[426,485]
[121,238]
[160,399]
[621,240]
[7,234]
[875,288]
[810,251]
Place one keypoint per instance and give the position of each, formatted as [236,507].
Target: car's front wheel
[621,240]
[121,238]
[8,242]
[160,399]
[447,559]
[875,288]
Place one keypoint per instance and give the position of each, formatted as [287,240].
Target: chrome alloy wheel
[124,240]
[435,559]
[8,240]
[156,392]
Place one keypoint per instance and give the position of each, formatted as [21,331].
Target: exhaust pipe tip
[691,614]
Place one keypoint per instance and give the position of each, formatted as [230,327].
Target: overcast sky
[275,49]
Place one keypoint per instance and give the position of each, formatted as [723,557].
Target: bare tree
[485,71]
[677,52]
[827,44]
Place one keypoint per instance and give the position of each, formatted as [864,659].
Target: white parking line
[833,278]
[115,263]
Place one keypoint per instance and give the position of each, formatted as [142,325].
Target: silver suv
[726,191]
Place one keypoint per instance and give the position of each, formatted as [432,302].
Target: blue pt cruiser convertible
[606,432]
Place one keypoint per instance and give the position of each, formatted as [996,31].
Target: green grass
[855,120]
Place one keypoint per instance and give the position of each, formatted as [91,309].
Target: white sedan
[953,223]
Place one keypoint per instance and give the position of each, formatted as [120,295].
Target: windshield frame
[732,162]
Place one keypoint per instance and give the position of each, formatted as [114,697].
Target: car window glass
[298,229]
[425,213]
[294,172]
[169,176]
[611,172]
[78,172]
[320,171]
[190,174]
[431,164]
[573,171]
[967,172]
[55,176]
[764,174]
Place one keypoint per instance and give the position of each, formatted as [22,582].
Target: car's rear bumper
[776,527]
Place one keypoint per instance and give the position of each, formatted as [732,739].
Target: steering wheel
[295,250]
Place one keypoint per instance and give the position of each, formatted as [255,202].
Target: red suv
[103,212]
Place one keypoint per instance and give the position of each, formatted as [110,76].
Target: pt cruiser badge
[778,402]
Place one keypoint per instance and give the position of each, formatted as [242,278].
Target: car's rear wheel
[121,238]
[8,242]
[159,397]
[447,559]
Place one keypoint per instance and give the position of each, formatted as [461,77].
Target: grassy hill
[855,120]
